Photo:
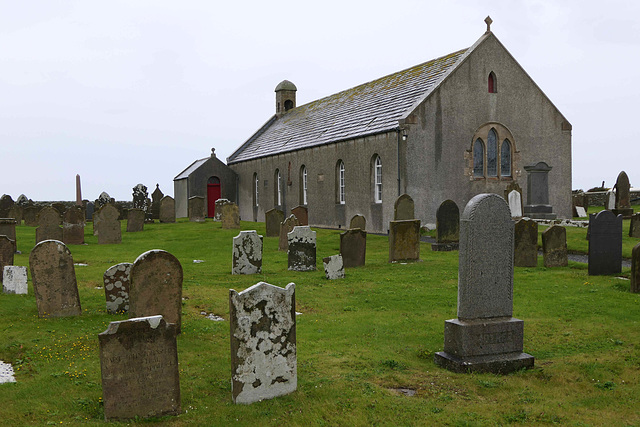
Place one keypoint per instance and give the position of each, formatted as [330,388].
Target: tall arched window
[478,158]
[277,186]
[256,181]
[492,83]
[492,153]
[505,158]
[340,183]
[303,185]
[377,179]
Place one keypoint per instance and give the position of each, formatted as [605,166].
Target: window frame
[340,183]
[502,135]
[377,179]
[303,185]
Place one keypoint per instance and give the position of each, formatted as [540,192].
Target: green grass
[359,339]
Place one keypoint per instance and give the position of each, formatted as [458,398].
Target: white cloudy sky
[131,91]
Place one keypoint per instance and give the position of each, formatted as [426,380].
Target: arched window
[303,185]
[505,158]
[377,179]
[492,83]
[478,158]
[340,183]
[288,105]
[492,153]
[277,186]
[256,181]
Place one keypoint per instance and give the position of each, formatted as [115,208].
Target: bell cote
[285,97]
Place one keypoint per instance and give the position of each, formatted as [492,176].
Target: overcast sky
[127,92]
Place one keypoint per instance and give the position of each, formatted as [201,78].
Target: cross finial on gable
[489,21]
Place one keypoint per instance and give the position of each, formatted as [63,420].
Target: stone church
[450,128]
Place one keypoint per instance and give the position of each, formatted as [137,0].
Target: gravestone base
[539,212]
[625,212]
[484,345]
[445,247]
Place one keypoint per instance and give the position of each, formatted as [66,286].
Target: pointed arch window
[492,153]
[478,158]
[492,83]
[490,157]
[505,158]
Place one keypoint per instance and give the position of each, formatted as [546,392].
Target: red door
[213,194]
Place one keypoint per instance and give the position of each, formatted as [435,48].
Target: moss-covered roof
[367,109]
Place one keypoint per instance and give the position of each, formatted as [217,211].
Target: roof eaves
[251,139]
[187,168]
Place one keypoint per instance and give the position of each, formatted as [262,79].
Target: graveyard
[365,342]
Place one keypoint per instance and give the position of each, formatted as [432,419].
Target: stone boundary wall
[596,198]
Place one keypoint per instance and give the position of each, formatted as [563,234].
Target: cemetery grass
[364,342]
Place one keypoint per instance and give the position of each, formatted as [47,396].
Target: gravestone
[8,228]
[554,247]
[302,248]
[515,204]
[302,213]
[511,187]
[218,204]
[7,249]
[109,225]
[230,216]
[30,215]
[286,227]
[135,220]
[610,200]
[538,206]
[139,365]
[54,280]
[358,221]
[634,226]
[525,253]
[156,287]
[60,207]
[579,199]
[353,247]
[23,201]
[273,218]
[623,198]
[196,209]
[167,209]
[89,209]
[404,240]
[403,208]
[156,197]
[263,342]
[15,212]
[485,337]
[5,204]
[49,222]
[14,279]
[117,280]
[73,226]
[247,253]
[333,267]
[96,222]
[103,199]
[580,212]
[605,243]
[635,269]
[447,227]
[140,197]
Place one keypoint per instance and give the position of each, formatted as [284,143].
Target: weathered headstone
[230,216]
[302,248]
[581,212]
[14,279]
[515,204]
[89,209]
[286,227]
[635,269]
[580,199]
[610,200]
[8,228]
[7,249]
[525,252]
[135,220]
[140,197]
[156,196]
[5,204]
[73,226]
[54,280]
[447,227]
[15,212]
[117,280]
[403,208]
[623,197]
[109,231]
[23,201]
[485,337]
[353,247]
[605,243]
[358,221]
[103,199]
[302,213]
[167,209]
[273,218]
[554,247]
[538,206]
[60,207]
[511,187]
[139,364]
[156,287]
[49,222]
[30,215]
[404,240]
[196,209]
[218,204]
[634,226]
[96,223]
[333,267]
[263,342]
[247,253]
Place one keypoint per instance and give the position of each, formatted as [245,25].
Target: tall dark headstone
[8,228]
[5,204]
[635,269]
[554,247]
[623,197]
[526,243]
[301,248]
[447,227]
[538,206]
[353,247]
[156,196]
[634,226]
[605,243]
[273,218]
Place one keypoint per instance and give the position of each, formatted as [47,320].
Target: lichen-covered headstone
[554,247]
[358,221]
[14,279]
[103,199]
[196,209]
[403,208]
[302,213]
[140,197]
[218,204]
[230,216]
[302,249]
[333,267]
[167,209]
[623,196]
[273,218]
[247,253]
[117,280]
[353,247]
[285,228]
[135,220]
[73,226]
[525,253]
[156,287]
[139,364]
[605,243]
[635,269]
[634,226]
[404,240]
[7,250]
[49,222]
[54,280]
[447,227]
[263,342]
[109,231]
[485,337]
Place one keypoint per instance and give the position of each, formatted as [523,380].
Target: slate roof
[367,109]
[195,165]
